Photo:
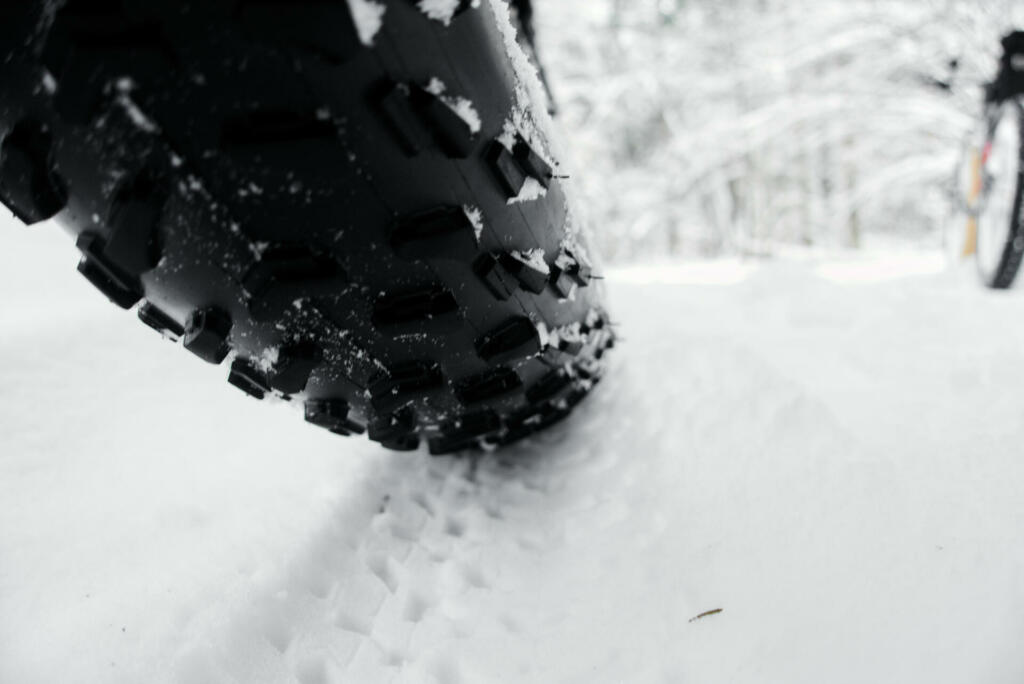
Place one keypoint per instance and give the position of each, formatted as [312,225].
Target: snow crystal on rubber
[476,217]
[571,242]
[531,99]
[440,10]
[534,258]
[368,17]
[124,87]
[460,105]
[531,190]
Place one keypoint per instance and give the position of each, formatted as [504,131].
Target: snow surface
[833,463]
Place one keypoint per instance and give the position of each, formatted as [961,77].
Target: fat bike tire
[355,205]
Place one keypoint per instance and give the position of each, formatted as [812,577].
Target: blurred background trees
[708,127]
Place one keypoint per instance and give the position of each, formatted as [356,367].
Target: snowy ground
[825,451]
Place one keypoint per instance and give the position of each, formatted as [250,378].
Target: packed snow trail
[827,455]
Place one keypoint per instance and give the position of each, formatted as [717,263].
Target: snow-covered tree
[736,125]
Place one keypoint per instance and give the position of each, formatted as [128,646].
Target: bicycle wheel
[355,202]
[1000,231]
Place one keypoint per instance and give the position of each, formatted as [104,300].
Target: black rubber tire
[317,206]
[1005,271]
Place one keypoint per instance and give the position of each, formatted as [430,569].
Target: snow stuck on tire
[368,17]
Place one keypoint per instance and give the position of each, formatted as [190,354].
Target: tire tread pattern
[346,237]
